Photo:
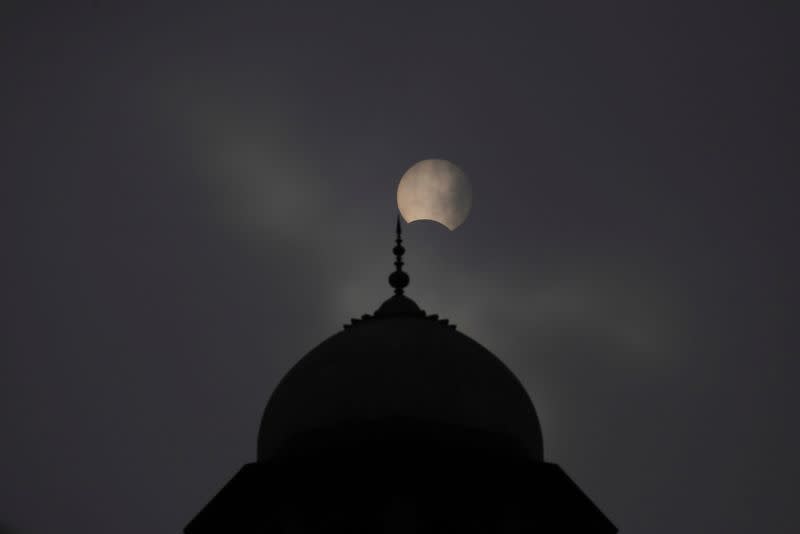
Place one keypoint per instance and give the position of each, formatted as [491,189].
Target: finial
[398,279]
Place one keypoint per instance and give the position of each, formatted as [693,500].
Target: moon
[435,190]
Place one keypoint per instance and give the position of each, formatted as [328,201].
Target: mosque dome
[399,368]
[400,423]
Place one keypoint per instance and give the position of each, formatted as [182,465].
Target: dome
[399,407]
[398,365]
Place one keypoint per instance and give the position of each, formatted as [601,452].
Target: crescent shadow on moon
[435,190]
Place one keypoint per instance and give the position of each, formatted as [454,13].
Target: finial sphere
[399,280]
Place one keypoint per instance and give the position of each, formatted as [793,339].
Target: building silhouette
[400,424]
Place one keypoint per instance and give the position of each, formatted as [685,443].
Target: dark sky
[193,198]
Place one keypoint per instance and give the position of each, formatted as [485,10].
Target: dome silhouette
[401,365]
[399,423]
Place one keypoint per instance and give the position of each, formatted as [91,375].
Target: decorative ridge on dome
[392,312]
[399,305]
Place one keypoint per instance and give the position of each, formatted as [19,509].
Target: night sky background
[193,197]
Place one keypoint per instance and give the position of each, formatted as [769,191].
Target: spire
[399,304]
[398,279]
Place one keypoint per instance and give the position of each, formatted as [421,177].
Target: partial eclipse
[435,190]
